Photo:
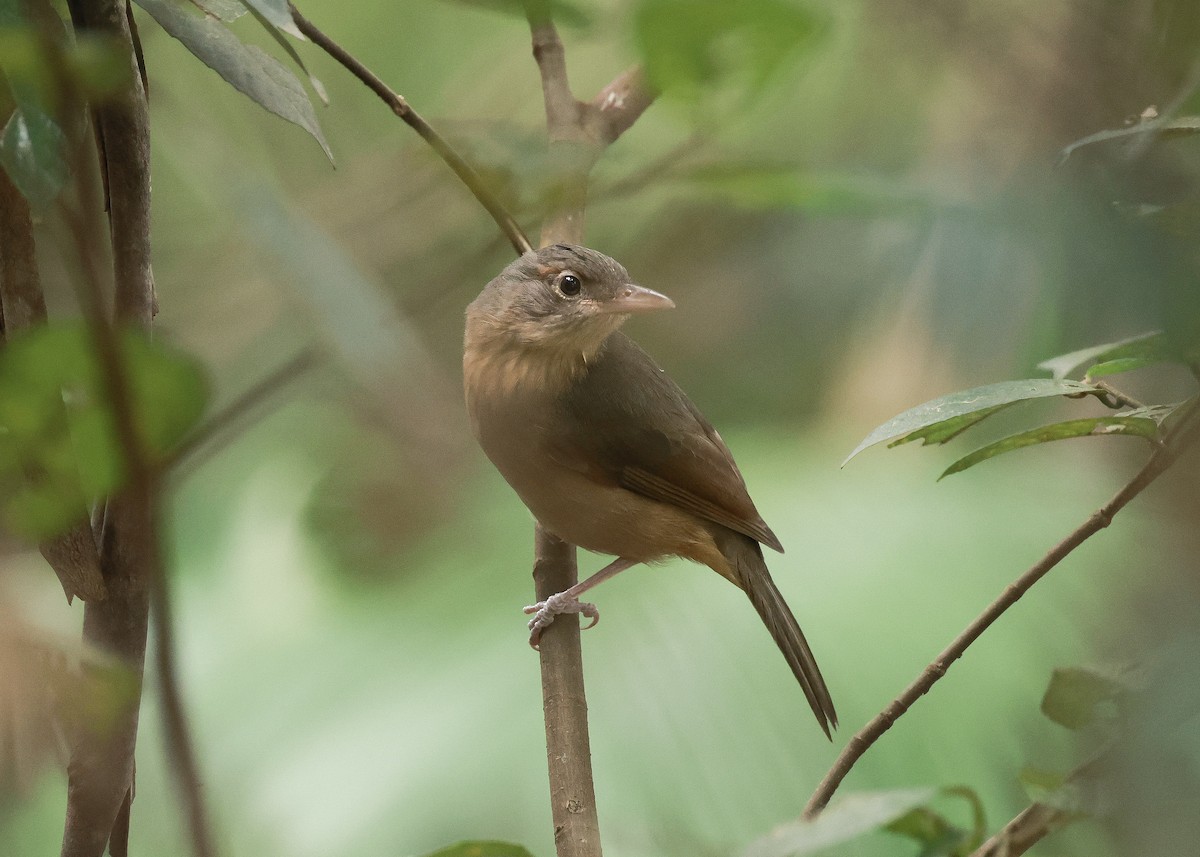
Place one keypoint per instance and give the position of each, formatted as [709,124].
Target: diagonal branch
[1186,430]
[465,172]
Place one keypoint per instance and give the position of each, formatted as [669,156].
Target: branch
[195,446]
[465,172]
[1185,433]
[1031,826]
[73,556]
[579,132]
[100,785]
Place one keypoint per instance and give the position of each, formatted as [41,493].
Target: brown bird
[606,450]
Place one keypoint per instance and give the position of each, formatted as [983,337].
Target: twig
[466,173]
[194,448]
[101,774]
[1028,828]
[1185,433]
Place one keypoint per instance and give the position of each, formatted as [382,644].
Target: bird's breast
[520,430]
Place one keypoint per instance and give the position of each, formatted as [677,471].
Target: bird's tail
[745,557]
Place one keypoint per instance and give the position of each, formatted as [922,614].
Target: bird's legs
[568,601]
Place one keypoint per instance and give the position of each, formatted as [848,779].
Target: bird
[605,450]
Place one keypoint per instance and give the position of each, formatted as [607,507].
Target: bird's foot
[545,611]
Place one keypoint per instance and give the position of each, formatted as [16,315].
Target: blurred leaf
[1039,782]
[1130,423]
[1116,367]
[99,64]
[563,12]
[58,442]
[967,403]
[31,152]
[936,835]
[688,44]
[1075,695]
[849,818]
[281,40]
[1151,346]
[247,68]
[278,13]
[481,848]
[784,186]
[1181,126]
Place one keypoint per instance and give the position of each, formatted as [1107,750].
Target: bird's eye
[569,285]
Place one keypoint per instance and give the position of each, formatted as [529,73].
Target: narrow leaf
[1142,345]
[280,16]
[1122,364]
[481,848]
[247,68]
[989,398]
[847,819]
[281,40]
[1116,424]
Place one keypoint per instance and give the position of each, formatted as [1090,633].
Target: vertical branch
[73,555]
[100,784]
[578,133]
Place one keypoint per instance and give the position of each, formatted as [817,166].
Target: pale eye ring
[570,285]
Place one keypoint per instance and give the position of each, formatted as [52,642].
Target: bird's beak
[635,299]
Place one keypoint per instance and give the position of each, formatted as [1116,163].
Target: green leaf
[1130,423]
[953,408]
[935,834]
[481,848]
[281,40]
[1145,345]
[31,152]
[686,45]
[1076,696]
[562,12]
[1124,364]
[247,68]
[58,440]
[1039,782]
[278,13]
[847,819]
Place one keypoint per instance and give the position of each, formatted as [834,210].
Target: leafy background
[857,207]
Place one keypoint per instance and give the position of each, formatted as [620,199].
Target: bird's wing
[625,421]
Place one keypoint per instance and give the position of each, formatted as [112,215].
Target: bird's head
[562,299]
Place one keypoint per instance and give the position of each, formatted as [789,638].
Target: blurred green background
[874,218]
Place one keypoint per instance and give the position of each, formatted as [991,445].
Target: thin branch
[1028,828]
[620,103]
[466,173]
[1164,456]
[194,448]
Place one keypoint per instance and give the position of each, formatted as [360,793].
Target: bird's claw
[545,611]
